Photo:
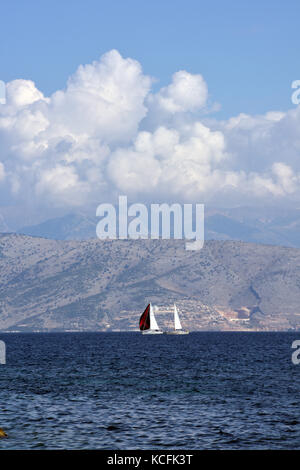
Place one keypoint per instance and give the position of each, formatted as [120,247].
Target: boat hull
[177,332]
[152,332]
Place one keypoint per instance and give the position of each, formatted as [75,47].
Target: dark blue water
[128,391]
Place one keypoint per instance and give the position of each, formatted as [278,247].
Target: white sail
[153,323]
[177,324]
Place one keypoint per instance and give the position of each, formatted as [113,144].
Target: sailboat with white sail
[177,325]
[148,323]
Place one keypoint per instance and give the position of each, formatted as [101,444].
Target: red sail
[145,319]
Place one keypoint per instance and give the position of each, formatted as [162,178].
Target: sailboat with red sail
[148,323]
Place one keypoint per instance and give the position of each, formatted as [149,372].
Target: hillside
[99,285]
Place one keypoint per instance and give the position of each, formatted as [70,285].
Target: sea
[205,390]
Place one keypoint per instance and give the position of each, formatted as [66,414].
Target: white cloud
[178,163]
[104,99]
[22,93]
[187,92]
[106,133]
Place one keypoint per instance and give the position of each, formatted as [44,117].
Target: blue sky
[108,98]
[246,51]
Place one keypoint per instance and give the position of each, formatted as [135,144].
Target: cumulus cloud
[187,92]
[107,133]
[104,99]
[181,163]
[22,93]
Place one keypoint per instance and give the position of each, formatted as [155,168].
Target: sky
[160,100]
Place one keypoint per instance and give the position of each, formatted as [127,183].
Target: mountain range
[50,285]
[255,225]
